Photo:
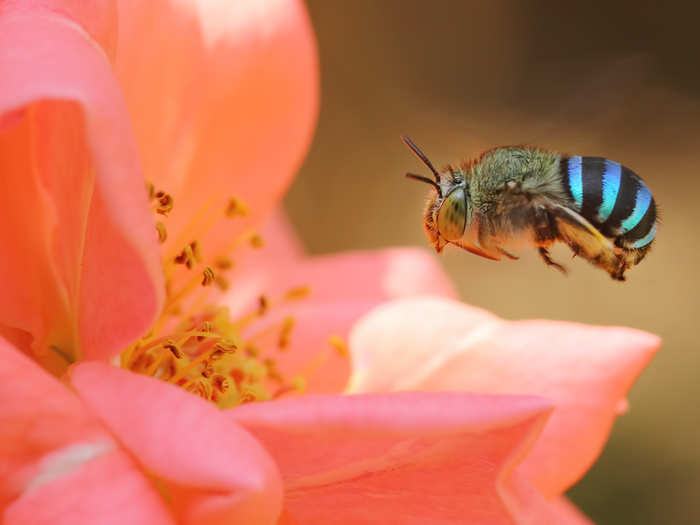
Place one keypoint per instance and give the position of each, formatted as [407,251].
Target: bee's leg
[507,253]
[485,235]
[618,273]
[544,226]
[548,260]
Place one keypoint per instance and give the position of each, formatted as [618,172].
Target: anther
[226,346]
[150,189]
[285,332]
[339,345]
[206,327]
[162,232]
[272,371]
[251,350]
[196,252]
[236,207]
[174,348]
[223,263]
[165,203]
[256,241]
[221,282]
[263,305]
[185,257]
[220,383]
[300,292]
[208,276]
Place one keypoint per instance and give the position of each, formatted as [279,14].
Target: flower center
[199,345]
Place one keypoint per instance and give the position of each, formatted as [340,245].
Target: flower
[213,102]
[97,99]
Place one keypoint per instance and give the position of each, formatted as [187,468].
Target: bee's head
[448,209]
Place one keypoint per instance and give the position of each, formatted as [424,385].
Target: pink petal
[57,463]
[108,489]
[399,458]
[213,471]
[230,108]
[81,270]
[97,17]
[585,370]
[343,287]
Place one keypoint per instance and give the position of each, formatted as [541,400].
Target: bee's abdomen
[613,198]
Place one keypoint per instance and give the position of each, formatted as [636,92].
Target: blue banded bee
[518,195]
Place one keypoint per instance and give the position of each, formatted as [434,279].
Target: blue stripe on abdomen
[646,239]
[576,180]
[642,201]
[611,187]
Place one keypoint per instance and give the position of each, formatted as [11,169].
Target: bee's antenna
[421,156]
[425,179]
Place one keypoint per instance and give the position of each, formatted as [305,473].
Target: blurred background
[614,79]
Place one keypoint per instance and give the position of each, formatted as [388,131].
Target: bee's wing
[584,238]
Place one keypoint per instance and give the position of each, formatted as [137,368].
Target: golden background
[613,79]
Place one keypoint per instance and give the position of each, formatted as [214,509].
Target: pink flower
[213,102]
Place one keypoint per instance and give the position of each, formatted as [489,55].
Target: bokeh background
[615,79]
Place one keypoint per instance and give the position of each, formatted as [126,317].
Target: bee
[515,195]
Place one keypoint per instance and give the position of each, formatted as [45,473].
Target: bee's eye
[452,216]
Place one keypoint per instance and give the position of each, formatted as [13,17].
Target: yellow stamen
[184,371]
[197,345]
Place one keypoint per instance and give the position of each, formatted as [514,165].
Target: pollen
[200,346]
